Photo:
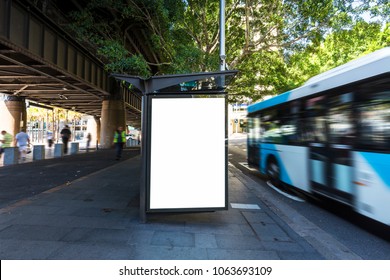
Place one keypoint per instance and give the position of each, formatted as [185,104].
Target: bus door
[315,134]
[253,145]
[331,157]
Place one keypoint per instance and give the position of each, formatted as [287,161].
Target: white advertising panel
[188,164]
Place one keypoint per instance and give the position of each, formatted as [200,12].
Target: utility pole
[222,54]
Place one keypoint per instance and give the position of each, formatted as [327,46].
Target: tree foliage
[106,26]
[275,44]
[286,42]
[336,49]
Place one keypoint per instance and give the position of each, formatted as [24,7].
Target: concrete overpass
[40,62]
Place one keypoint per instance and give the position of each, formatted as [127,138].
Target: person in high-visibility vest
[119,141]
[5,141]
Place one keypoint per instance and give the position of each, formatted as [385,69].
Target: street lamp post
[222,54]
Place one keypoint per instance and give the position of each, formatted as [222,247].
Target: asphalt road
[366,238]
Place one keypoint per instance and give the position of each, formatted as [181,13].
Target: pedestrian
[89,137]
[65,136]
[22,140]
[5,141]
[119,141]
[1,145]
[50,138]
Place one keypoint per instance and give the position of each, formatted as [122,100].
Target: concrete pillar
[13,113]
[11,155]
[74,148]
[113,115]
[94,128]
[38,152]
[58,150]
[97,131]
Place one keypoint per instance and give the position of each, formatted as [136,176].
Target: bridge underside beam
[41,62]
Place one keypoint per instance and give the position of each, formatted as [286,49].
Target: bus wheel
[273,172]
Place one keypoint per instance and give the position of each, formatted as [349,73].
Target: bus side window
[341,120]
[254,130]
[374,123]
[270,127]
[314,129]
[290,127]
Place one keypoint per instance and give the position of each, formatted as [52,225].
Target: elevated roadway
[40,62]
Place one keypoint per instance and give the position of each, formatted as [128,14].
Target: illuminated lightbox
[188,154]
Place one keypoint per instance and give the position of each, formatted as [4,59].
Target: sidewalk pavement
[49,152]
[97,217]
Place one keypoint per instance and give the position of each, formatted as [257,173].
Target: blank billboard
[188,153]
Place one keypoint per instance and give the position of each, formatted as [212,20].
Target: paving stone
[141,237]
[257,217]
[171,226]
[145,252]
[270,232]
[299,256]
[43,220]
[238,242]
[3,226]
[35,209]
[205,240]
[76,234]
[173,239]
[98,222]
[232,229]
[246,229]
[282,246]
[104,235]
[92,251]
[28,249]
[223,254]
[5,218]
[33,232]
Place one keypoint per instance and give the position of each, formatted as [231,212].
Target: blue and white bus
[330,137]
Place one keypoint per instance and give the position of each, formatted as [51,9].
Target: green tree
[257,34]
[337,48]
[275,44]
[105,26]
[285,43]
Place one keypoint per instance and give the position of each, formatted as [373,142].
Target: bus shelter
[184,142]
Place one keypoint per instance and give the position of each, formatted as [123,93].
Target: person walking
[119,141]
[65,136]
[22,140]
[1,145]
[139,138]
[5,141]
[50,138]
[89,137]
